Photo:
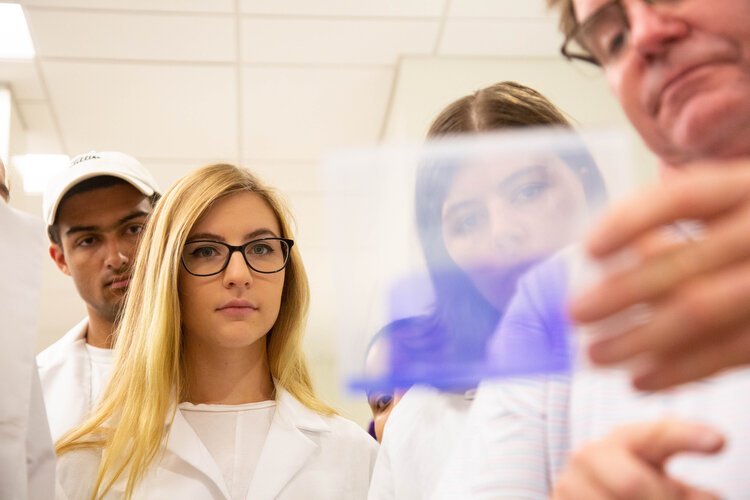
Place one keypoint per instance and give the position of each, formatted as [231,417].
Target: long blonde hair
[149,374]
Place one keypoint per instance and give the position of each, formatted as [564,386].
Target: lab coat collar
[59,352]
[290,443]
[288,447]
[78,332]
[185,443]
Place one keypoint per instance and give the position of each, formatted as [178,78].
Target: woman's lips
[238,308]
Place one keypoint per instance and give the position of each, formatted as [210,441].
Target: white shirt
[27,460]
[419,438]
[73,375]
[305,456]
[234,436]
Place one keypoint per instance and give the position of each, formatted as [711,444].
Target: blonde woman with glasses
[210,395]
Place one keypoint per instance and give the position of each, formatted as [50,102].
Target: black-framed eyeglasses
[603,36]
[208,257]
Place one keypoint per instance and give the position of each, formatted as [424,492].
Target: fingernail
[708,438]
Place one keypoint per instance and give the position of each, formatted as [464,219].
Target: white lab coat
[65,374]
[305,456]
[418,441]
[27,460]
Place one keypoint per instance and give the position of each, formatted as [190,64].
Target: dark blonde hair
[499,106]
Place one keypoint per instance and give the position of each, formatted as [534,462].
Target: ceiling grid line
[441,27]
[391,99]
[94,10]
[45,91]
[228,14]
[239,83]
[228,63]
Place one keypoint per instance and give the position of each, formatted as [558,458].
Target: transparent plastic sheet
[436,245]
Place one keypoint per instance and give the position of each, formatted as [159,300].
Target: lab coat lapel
[185,443]
[287,448]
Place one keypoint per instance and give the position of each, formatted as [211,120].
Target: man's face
[684,79]
[99,230]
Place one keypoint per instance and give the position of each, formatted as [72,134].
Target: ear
[56,252]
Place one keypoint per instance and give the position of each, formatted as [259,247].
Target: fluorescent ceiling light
[15,39]
[36,170]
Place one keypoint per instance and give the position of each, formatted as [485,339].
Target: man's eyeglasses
[604,35]
[207,257]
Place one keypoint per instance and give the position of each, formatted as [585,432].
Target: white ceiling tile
[167,172]
[40,133]
[22,78]
[335,41]
[511,9]
[298,177]
[132,36]
[146,110]
[531,37]
[301,113]
[160,5]
[421,8]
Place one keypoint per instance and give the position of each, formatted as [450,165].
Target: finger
[655,442]
[702,313]
[650,279]
[699,194]
[623,475]
[694,364]
[726,244]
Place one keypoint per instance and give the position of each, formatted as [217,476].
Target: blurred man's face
[683,77]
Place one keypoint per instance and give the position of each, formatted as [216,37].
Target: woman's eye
[383,402]
[465,224]
[261,249]
[204,252]
[529,192]
[380,403]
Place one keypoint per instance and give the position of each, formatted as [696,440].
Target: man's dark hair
[100,182]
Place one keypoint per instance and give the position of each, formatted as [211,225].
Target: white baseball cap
[95,164]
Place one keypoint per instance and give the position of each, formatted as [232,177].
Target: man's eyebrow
[131,216]
[120,222]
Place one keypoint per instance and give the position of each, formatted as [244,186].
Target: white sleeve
[40,456]
[381,483]
[512,440]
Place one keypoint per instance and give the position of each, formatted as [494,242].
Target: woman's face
[381,405]
[237,307]
[497,218]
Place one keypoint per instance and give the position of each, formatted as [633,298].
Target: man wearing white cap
[95,211]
